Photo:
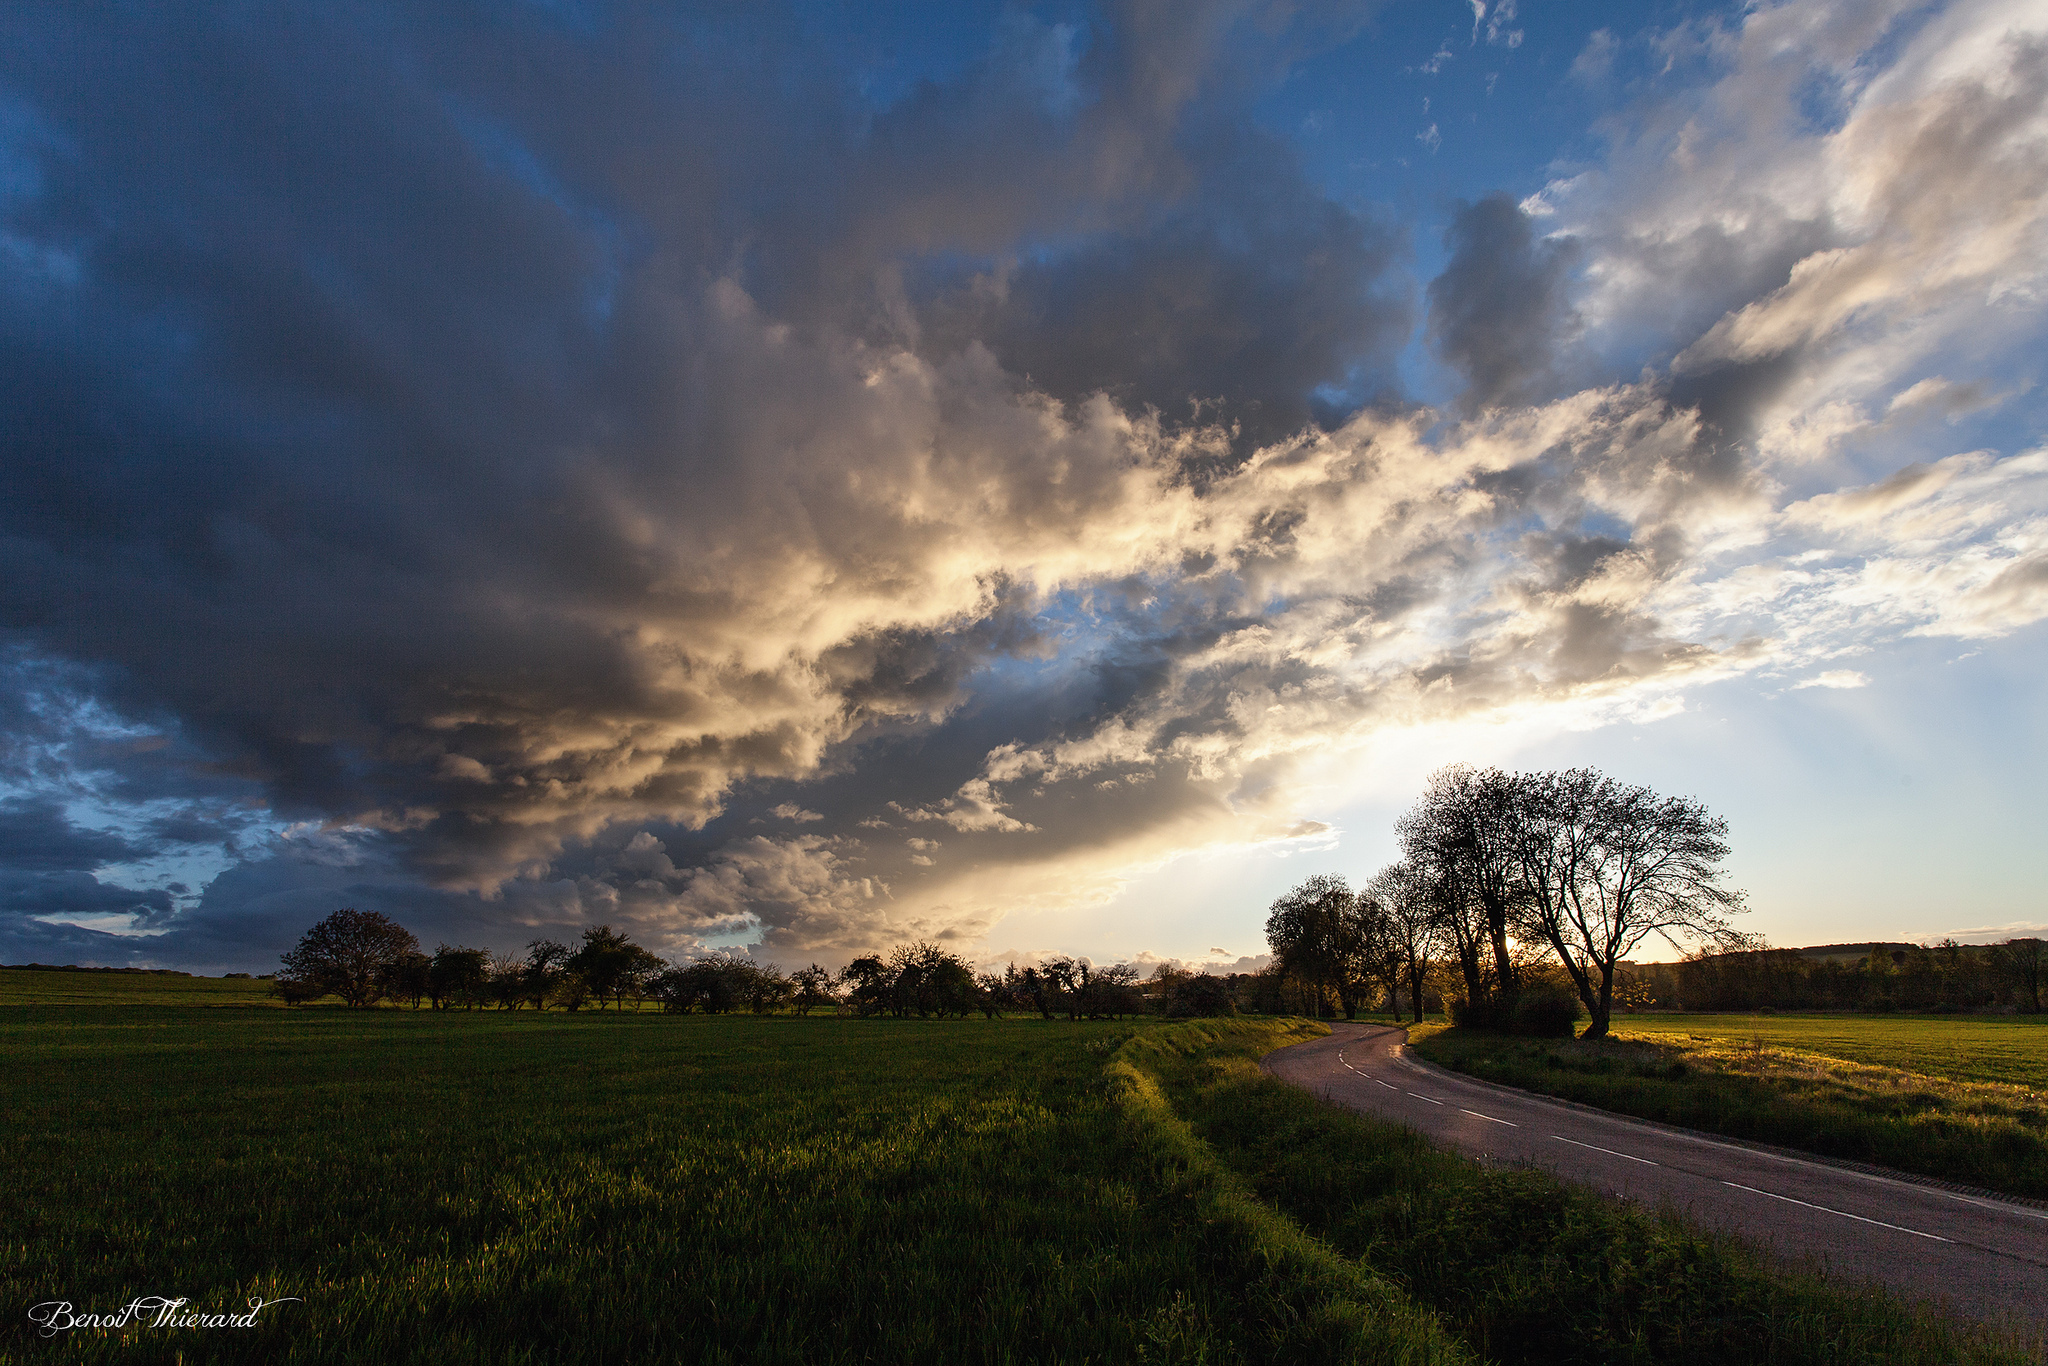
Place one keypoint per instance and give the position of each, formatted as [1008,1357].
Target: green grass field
[1925,1094]
[1998,1048]
[499,1186]
[22,987]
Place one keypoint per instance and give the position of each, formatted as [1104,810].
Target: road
[1986,1259]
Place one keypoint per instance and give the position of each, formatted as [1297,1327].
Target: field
[518,1187]
[2012,1049]
[21,987]
[1961,1099]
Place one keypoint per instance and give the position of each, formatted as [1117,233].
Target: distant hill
[1847,951]
[73,967]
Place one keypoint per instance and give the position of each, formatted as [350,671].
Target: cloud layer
[685,493]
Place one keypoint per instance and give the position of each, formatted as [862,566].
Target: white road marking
[1476,1115]
[1609,1151]
[1998,1207]
[1389,1085]
[1897,1228]
[1431,1099]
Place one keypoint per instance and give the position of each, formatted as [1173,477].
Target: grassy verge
[1519,1266]
[1979,1133]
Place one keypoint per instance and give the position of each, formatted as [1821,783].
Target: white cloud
[1834,678]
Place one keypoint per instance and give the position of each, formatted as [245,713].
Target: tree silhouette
[1604,865]
[350,954]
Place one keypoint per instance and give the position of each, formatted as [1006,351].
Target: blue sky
[1045,478]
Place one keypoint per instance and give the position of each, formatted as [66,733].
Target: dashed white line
[1489,1118]
[1431,1099]
[1896,1228]
[1609,1151]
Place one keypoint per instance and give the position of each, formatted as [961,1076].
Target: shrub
[1484,1012]
[1546,1012]
[1199,994]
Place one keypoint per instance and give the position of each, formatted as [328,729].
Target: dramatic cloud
[688,492]
[1499,308]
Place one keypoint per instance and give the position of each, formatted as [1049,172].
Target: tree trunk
[1503,962]
[1603,1011]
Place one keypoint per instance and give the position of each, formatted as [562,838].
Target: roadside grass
[501,1187]
[1979,1133]
[1521,1266]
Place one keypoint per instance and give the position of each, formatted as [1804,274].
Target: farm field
[1921,1094]
[26,987]
[1998,1048]
[510,1186]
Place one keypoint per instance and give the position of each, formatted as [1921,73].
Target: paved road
[1984,1258]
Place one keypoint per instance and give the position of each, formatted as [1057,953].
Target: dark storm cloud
[1236,306]
[515,472]
[37,836]
[1499,310]
[429,446]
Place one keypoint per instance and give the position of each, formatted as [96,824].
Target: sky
[1046,479]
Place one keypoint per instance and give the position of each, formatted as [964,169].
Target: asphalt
[1983,1258]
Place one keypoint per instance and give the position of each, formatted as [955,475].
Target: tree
[611,964]
[545,961]
[930,981]
[1196,994]
[294,991]
[458,976]
[350,954]
[813,987]
[868,982]
[1605,865]
[1323,934]
[1112,991]
[766,988]
[2023,963]
[1413,925]
[405,978]
[1466,833]
[1064,981]
[1033,986]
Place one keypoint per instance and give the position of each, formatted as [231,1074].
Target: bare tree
[1464,833]
[1606,865]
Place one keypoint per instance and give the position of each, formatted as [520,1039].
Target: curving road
[1984,1258]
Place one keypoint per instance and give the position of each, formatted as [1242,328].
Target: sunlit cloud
[758,519]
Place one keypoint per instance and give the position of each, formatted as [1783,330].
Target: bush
[1483,1013]
[1200,995]
[1545,1012]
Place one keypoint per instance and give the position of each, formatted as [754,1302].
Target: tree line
[1943,977]
[1519,898]
[364,957]
[1527,890]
